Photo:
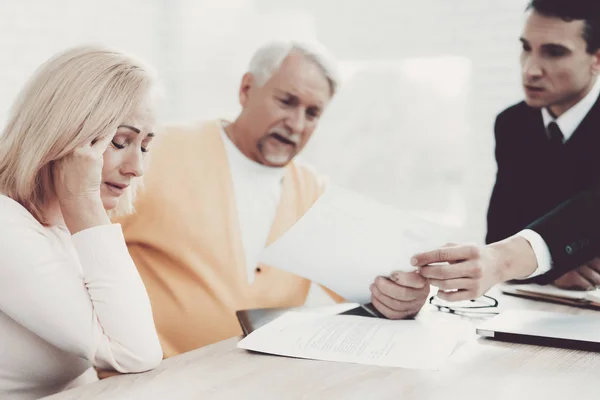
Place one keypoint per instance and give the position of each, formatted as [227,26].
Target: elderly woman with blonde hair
[72,151]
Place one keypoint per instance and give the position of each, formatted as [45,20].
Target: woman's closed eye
[118,145]
[121,145]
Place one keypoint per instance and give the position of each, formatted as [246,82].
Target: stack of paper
[346,240]
[353,339]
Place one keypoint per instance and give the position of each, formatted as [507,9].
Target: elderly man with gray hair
[217,193]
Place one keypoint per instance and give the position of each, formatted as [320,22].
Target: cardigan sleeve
[86,298]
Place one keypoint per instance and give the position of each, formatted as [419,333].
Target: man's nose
[296,121]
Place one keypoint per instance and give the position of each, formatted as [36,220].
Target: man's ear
[245,87]
[596,63]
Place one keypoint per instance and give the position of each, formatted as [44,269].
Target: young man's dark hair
[569,10]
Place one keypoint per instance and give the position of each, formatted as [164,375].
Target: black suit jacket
[572,232]
[534,177]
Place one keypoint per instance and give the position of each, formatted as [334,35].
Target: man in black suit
[538,169]
[547,146]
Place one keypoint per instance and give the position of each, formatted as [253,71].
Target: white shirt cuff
[541,251]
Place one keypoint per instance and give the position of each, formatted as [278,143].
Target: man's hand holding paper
[401,295]
[360,249]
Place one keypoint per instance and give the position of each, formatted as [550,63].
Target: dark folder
[251,320]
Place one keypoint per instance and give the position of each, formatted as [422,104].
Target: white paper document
[346,240]
[362,340]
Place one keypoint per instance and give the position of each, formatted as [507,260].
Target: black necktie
[556,136]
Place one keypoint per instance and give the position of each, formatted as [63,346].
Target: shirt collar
[570,119]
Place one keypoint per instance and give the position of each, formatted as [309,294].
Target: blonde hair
[77,96]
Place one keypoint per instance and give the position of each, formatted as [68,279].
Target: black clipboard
[581,303]
[252,319]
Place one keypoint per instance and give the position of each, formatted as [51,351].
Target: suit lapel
[588,131]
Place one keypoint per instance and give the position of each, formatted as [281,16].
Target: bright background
[412,124]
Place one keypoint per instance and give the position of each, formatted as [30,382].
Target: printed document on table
[352,339]
[346,240]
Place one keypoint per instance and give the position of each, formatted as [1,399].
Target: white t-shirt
[257,191]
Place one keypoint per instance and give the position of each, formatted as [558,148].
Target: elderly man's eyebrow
[294,98]
[285,93]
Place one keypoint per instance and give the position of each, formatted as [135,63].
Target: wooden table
[479,369]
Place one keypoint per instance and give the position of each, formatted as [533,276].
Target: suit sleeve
[503,201]
[572,233]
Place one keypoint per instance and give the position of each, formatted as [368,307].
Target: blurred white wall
[412,124]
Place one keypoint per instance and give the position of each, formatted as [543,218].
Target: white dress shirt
[257,191]
[568,123]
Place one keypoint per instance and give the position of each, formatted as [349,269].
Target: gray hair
[268,58]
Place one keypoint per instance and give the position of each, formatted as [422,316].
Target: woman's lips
[116,188]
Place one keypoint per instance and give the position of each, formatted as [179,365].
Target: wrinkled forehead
[304,78]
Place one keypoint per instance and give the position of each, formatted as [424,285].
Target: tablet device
[542,328]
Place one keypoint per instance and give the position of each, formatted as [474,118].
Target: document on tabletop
[345,240]
[352,339]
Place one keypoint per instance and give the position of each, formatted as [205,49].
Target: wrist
[76,201]
[82,214]
[515,258]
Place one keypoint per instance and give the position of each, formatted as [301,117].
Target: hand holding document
[346,240]
[352,339]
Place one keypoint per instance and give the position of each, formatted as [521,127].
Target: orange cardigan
[186,242]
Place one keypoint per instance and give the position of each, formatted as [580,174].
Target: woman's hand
[77,180]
